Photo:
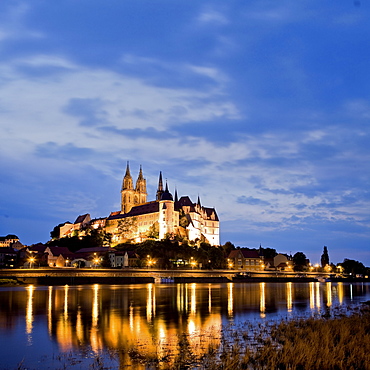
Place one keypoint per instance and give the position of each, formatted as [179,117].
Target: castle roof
[142,209]
[247,253]
[166,195]
[81,218]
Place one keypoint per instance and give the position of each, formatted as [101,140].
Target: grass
[8,282]
[302,344]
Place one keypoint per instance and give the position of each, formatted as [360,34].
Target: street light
[31,261]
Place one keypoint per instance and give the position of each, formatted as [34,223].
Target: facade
[10,241]
[8,257]
[283,262]
[139,219]
[245,259]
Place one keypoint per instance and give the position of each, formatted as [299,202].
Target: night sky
[261,108]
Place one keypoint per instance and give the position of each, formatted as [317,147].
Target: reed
[339,343]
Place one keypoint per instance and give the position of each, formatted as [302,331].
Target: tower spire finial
[160,186]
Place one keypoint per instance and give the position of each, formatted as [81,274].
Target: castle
[139,220]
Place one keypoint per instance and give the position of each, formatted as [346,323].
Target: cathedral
[139,219]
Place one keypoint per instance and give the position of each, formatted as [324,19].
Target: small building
[123,258]
[58,256]
[8,257]
[10,241]
[245,259]
[283,262]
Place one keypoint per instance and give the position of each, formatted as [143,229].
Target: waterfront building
[283,262]
[245,259]
[140,219]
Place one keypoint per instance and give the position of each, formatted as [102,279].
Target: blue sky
[260,107]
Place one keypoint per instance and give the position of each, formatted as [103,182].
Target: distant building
[283,262]
[10,241]
[245,259]
[139,220]
[8,257]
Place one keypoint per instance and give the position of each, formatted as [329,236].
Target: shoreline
[67,276]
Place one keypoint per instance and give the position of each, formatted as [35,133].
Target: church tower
[140,189]
[160,187]
[127,192]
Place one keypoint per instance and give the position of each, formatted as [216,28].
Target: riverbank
[70,276]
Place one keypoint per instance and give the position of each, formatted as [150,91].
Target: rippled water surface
[78,326]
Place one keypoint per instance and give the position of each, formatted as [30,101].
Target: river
[79,326]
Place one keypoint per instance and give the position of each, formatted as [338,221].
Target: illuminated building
[139,219]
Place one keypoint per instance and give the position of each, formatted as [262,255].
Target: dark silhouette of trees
[325,257]
[299,261]
[353,267]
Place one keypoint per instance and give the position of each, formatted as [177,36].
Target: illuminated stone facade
[139,220]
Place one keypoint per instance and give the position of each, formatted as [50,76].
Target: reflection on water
[153,317]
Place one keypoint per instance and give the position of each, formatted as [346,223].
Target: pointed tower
[176,197]
[160,187]
[127,183]
[140,188]
[127,191]
[168,219]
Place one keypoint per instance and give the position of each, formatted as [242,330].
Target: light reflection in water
[193,299]
[66,302]
[340,292]
[150,302]
[328,294]
[262,300]
[29,313]
[318,300]
[312,295]
[210,298]
[153,317]
[95,306]
[131,318]
[230,299]
[50,309]
[289,298]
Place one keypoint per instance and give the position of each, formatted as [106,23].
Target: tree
[325,257]
[299,261]
[269,253]
[153,231]
[127,227]
[228,247]
[353,267]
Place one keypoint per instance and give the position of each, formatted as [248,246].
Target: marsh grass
[324,342]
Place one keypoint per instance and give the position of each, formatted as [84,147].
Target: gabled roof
[56,251]
[81,218]
[209,212]
[246,253]
[8,250]
[94,250]
[39,248]
[12,236]
[142,209]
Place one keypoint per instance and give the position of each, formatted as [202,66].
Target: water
[81,326]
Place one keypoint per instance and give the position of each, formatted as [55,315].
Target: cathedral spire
[176,197]
[160,186]
[140,177]
[140,187]
[127,180]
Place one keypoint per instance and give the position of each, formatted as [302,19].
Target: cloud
[212,16]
